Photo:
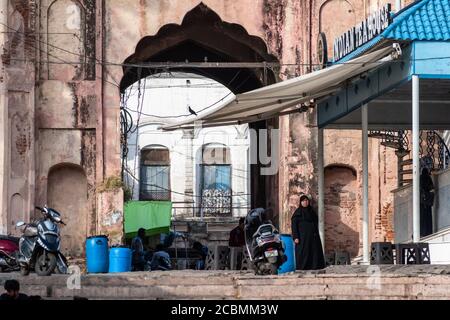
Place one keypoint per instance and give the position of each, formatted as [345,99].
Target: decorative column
[4,123]
[321,187]
[416,157]
[365,193]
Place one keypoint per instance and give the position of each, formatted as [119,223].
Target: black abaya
[309,251]
[426,203]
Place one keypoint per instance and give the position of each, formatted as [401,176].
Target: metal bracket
[398,51]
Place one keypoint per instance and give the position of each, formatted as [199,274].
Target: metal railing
[190,209]
[434,153]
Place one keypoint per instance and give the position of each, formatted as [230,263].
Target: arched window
[155,174]
[216,180]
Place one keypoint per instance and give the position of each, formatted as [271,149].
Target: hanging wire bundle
[126,127]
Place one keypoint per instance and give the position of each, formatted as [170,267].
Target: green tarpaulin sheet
[153,216]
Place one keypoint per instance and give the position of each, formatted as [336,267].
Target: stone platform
[334,283]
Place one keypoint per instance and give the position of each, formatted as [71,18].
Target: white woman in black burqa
[305,231]
[426,203]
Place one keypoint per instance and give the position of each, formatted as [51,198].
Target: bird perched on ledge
[192,111]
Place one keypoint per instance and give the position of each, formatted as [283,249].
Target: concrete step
[406,162]
[407,181]
[439,244]
[337,282]
[391,144]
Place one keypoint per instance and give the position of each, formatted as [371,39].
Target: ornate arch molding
[342,166]
[66,165]
[323,5]
[222,42]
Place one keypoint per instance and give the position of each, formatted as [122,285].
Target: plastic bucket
[119,260]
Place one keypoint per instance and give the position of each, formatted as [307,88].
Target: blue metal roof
[422,20]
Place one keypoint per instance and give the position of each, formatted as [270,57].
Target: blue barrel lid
[120,249]
[94,237]
[120,252]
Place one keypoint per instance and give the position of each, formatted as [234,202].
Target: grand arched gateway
[66,62]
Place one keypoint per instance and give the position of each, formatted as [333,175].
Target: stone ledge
[245,285]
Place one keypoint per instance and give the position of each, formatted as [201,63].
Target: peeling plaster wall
[342,222]
[68,191]
[63,147]
[66,112]
[20,80]
[110,216]
[21,183]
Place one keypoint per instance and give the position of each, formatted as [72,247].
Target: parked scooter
[9,248]
[263,243]
[39,246]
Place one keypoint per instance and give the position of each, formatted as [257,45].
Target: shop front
[410,93]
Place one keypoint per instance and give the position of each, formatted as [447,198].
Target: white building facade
[204,172]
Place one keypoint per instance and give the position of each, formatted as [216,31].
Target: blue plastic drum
[97,258]
[289,251]
[119,260]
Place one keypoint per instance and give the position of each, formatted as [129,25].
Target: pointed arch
[224,42]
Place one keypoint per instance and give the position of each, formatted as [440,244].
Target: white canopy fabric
[270,101]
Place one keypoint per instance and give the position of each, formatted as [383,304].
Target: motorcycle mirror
[20,224]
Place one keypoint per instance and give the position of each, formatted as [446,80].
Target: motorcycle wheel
[24,271]
[61,265]
[266,269]
[45,264]
[273,269]
[60,269]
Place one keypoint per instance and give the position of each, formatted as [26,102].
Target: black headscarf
[305,214]
[426,182]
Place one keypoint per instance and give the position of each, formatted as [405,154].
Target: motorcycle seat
[10,238]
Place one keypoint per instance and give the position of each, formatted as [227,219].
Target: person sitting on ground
[160,259]
[12,288]
[203,252]
[167,239]
[137,247]
[237,236]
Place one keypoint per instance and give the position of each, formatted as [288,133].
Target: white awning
[285,96]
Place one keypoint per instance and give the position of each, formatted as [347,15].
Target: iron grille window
[216,181]
[217,177]
[155,175]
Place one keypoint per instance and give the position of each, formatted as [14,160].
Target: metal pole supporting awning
[286,96]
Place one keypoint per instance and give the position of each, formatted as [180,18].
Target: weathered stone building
[63,71]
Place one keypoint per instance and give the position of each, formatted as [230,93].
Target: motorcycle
[39,246]
[263,243]
[9,247]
